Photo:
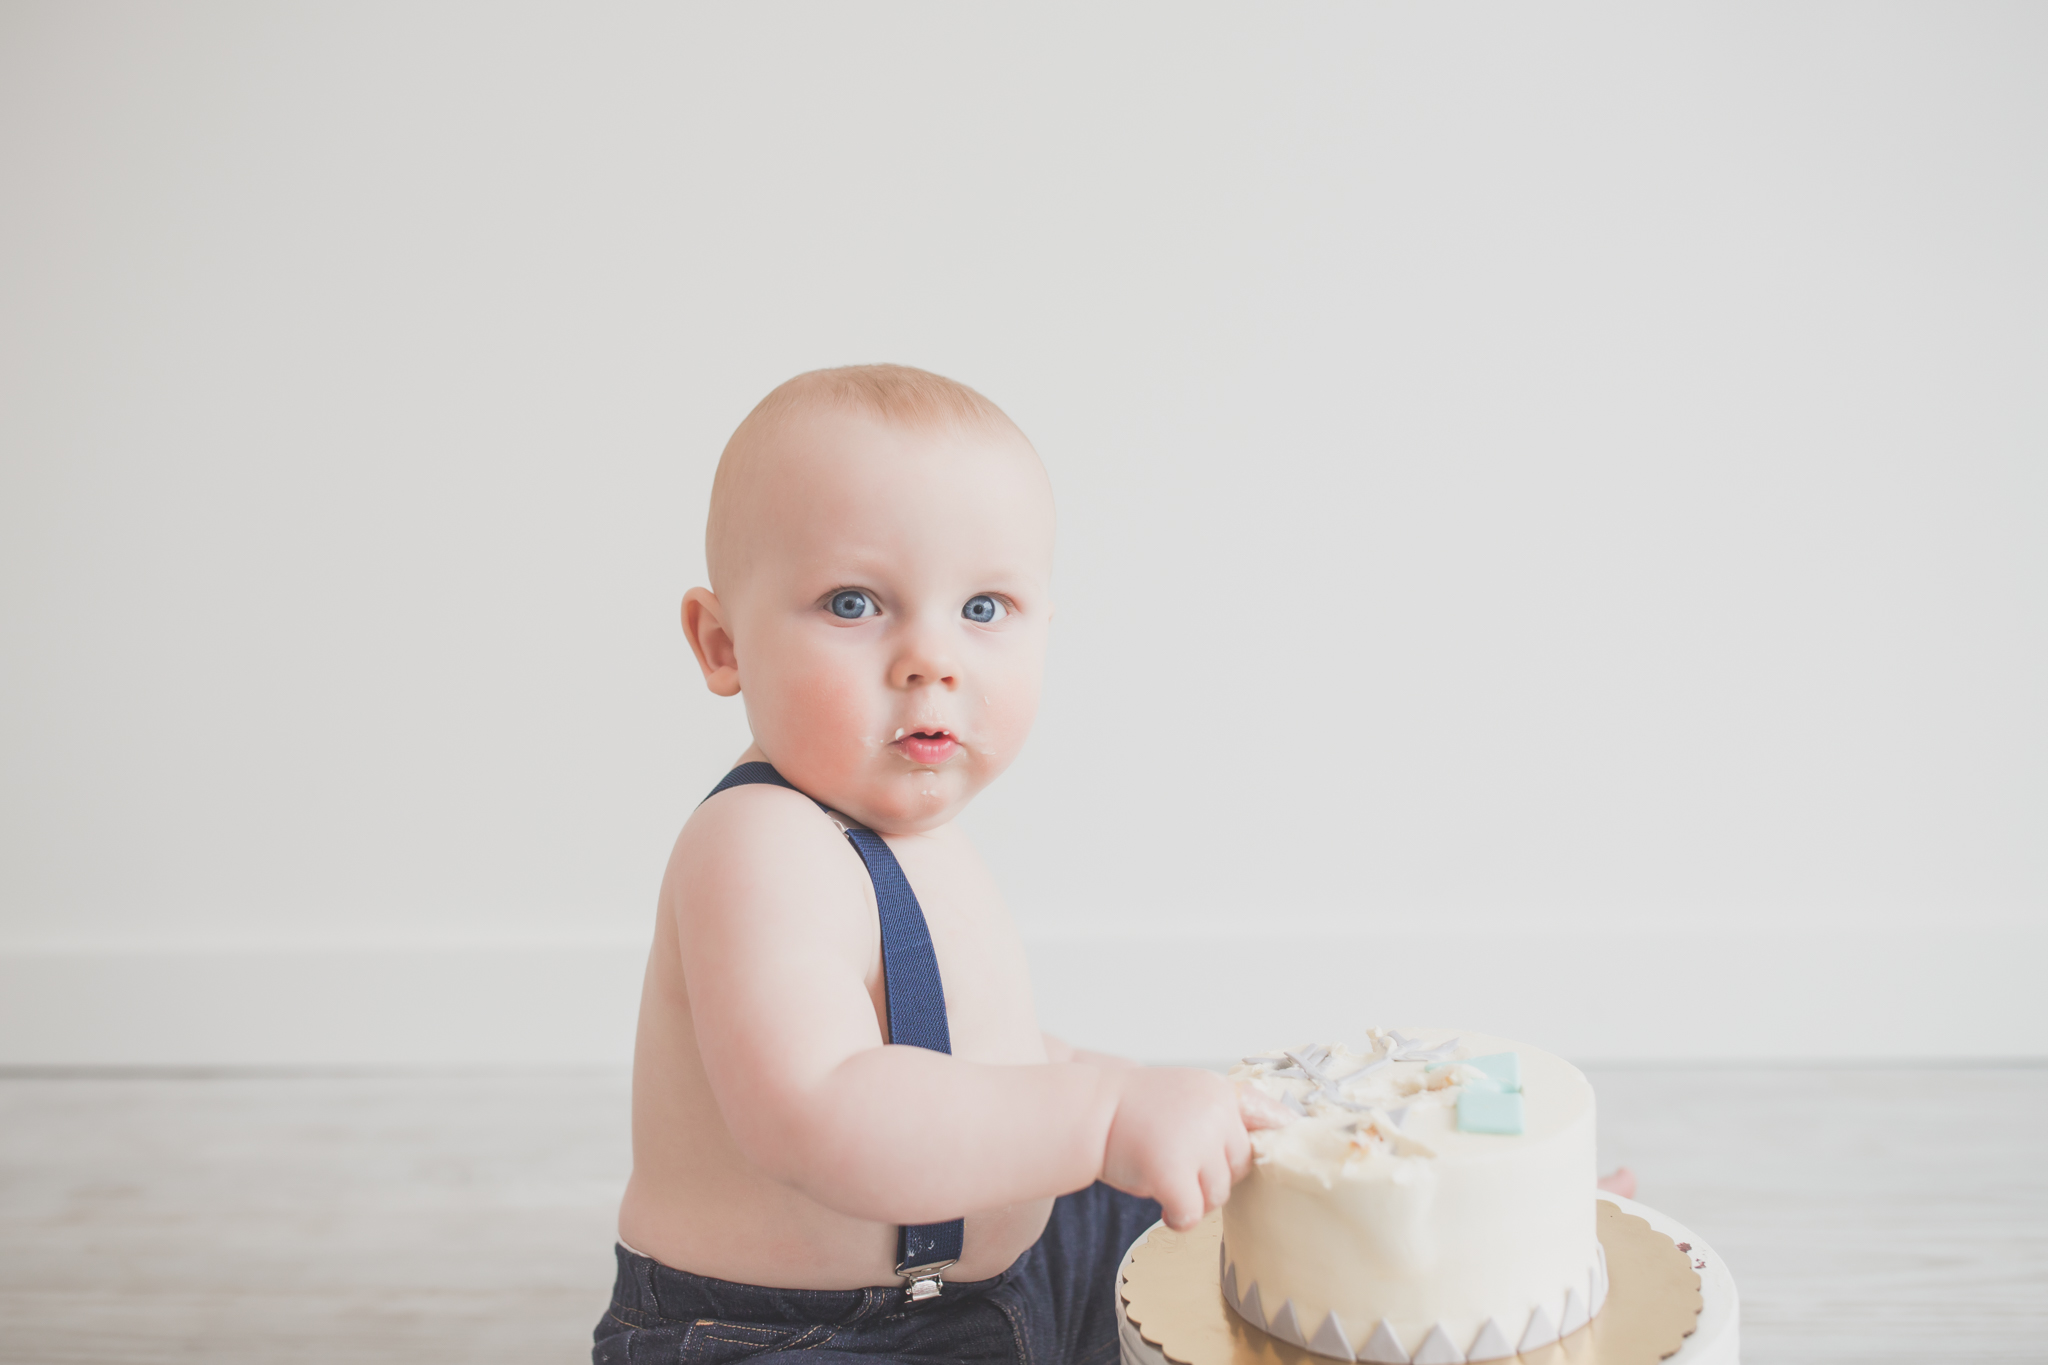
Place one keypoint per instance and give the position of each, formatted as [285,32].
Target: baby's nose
[923,665]
[921,676]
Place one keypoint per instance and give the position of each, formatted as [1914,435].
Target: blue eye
[984,609]
[851,604]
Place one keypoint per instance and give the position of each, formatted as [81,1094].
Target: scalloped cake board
[1714,1341]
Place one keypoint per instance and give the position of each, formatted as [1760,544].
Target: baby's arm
[1060,1050]
[776,968]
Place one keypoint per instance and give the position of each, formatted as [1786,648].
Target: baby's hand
[1260,1110]
[1177,1137]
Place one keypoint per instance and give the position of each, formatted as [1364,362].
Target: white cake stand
[1714,1342]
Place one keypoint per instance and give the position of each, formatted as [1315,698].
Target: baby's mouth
[927,748]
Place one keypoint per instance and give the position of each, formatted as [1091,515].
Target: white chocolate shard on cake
[1435,1188]
[1332,1340]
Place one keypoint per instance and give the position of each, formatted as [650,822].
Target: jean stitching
[626,1323]
[800,1341]
[650,1291]
[748,1333]
[1016,1322]
[759,1330]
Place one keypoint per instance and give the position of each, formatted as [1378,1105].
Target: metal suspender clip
[925,1280]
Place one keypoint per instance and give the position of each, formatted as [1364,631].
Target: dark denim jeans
[1055,1306]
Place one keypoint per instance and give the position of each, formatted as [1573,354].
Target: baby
[850,1138]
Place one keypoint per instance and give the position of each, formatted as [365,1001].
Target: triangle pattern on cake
[1436,1349]
[1540,1332]
[1575,1314]
[1230,1285]
[1384,1347]
[1491,1343]
[1287,1326]
[1331,1339]
[1254,1312]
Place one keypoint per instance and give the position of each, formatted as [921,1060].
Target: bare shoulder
[774,926]
[765,856]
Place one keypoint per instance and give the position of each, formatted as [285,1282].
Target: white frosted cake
[1432,1203]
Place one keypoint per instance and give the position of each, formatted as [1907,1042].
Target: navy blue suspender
[917,1008]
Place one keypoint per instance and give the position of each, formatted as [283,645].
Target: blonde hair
[900,395]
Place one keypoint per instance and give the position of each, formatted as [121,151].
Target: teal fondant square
[1504,1067]
[1489,1111]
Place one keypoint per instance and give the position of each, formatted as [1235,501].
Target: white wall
[1552,504]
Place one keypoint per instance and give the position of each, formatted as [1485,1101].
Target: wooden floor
[1868,1214]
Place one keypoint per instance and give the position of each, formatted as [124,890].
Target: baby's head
[880,547]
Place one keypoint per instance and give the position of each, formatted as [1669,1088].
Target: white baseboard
[1721,996]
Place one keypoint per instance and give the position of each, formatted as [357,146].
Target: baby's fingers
[1181,1204]
[1215,1180]
[1257,1109]
[1237,1152]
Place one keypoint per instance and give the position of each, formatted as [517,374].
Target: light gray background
[1552,505]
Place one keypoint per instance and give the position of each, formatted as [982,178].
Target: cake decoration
[1173,1314]
[1374,1065]
[1286,1325]
[1490,1111]
[1575,1314]
[1436,1349]
[1402,1048]
[1505,1068]
[1253,1310]
[1490,1344]
[1540,1332]
[1332,1340]
[1312,1063]
[1404,1143]
[1307,1066]
[1384,1347]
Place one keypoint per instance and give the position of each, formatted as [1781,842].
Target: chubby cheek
[817,719]
[1010,705]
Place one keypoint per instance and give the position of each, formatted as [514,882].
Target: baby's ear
[711,641]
